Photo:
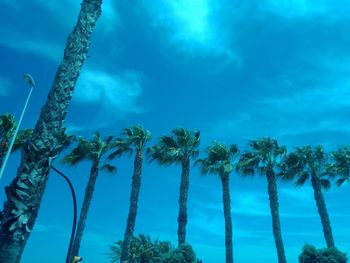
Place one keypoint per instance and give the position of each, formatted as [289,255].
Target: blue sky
[236,70]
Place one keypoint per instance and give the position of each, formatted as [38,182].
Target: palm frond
[109,168]
[326,184]
[79,153]
[8,125]
[302,178]
[21,139]
[341,181]
[218,160]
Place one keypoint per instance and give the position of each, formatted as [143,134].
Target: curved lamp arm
[76,258]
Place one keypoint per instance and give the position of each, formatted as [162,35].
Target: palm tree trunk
[322,210]
[85,209]
[184,186]
[227,214]
[274,206]
[134,197]
[25,192]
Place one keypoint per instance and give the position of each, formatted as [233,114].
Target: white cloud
[114,92]
[110,95]
[5,86]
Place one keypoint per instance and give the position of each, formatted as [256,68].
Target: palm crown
[173,148]
[340,165]
[7,125]
[134,138]
[305,162]
[265,154]
[219,159]
[90,150]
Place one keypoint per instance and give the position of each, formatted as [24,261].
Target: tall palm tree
[339,168]
[264,158]
[134,139]
[25,192]
[93,151]
[308,163]
[179,148]
[8,125]
[219,161]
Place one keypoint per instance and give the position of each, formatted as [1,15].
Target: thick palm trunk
[89,190]
[134,197]
[322,210]
[227,214]
[25,192]
[184,186]
[274,206]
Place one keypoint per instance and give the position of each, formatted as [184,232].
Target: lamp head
[29,80]
[77,259]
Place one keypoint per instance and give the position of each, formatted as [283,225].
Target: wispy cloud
[37,45]
[286,111]
[5,86]
[48,228]
[109,91]
[302,196]
[110,96]
[62,16]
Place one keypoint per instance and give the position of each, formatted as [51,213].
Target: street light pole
[29,79]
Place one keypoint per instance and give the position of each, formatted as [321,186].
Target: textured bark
[184,186]
[274,206]
[25,192]
[89,190]
[134,197]
[227,214]
[322,210]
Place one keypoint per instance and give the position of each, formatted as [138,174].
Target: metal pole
[15,134]
[75,214]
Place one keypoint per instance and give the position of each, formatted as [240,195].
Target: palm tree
[25,192]
[264,158]
[134,139]
[8,125]
[310,163]
[340,166]
[178,148]
[93,151]
[219,161]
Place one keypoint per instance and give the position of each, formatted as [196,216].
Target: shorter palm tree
[308,163]
[93,151]
[134,139]
[219,161]
[178,148]
[265,158]
[339,168]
